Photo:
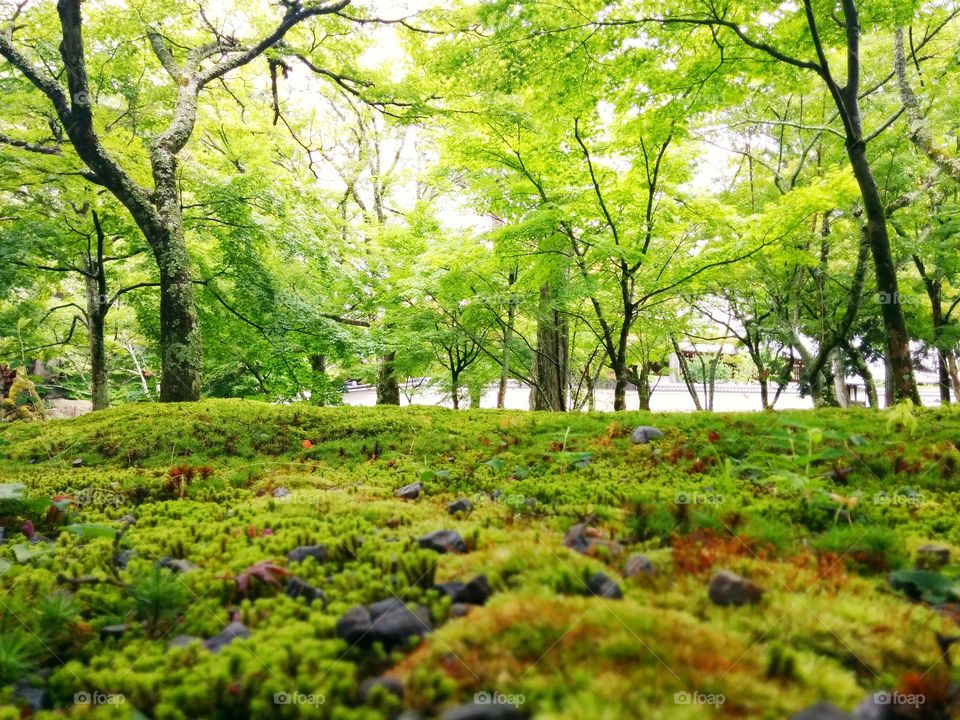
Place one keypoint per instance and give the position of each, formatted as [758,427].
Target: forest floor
[220,560]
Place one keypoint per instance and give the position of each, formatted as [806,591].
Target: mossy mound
[173,521]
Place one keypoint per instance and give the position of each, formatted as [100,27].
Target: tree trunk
[551,361]
[943,378]
[840,389]
[388,389]
[505,362]
[898,342]
[643,387]
[863,370]
[620,387]
[954,375]
[762,378]
[96,321]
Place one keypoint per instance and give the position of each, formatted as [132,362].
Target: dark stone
[475,592]
[876,707]
[484,711]
[37,539]
[177,566]
[298,588]
[124,558]
[579,540]
[230,633]
[77,462]
[390,622]
[397,626]
[182,640]
[450,589]
[460,610]
[29,696]
[317,552]
[645,433]
[382,607]
[280,492]
[932,556]
[443,541]
[727,588]
[390,684]
[637,566]
[602,586]
[459,506]
[576,538]
[354,625]
[112,631]
[821,711]
[410,492]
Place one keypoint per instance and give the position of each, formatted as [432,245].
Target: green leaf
[926,585]
[11,491]
[25,552]
[89,530]
[4,567]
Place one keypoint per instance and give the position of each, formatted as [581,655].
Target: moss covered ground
[819,509]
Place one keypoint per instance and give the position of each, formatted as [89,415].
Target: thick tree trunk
[894,322]
[388,388]
[551,363]
[943,378]
[764,390]
[643,387]
[620,387]
[181,353]
[840,389]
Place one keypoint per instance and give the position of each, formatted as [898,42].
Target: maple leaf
[265,571]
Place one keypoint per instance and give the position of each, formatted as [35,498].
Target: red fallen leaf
[235,689]
[62,498]
[266,532]
[28,529]
[713,436]
[264,571]
[252,531]
[307,444]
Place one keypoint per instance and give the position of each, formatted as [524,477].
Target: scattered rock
[821,711]
[182,640]
[230,633]
[354,625]
[298,588]
[459,506]
[637,566]
[177,566]
[475,592]
[389,683]
[317,552]
[460,610]
[410,492]
[877,706]
[727,588]
[390,622]
[602,586]
[382,607]
[484,711]
[124,558]
[645,433]
[932,556]
[443,541]
[112,631]
[29,696]
[450,589]
[77,462]
[280,492]
[583,539]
